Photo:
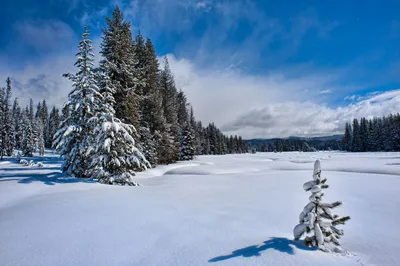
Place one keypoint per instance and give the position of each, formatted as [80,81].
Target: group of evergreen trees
[129,87]
[126,114]
[294,144]
[377,134]
[23,128]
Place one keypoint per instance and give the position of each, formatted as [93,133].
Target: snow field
[215,210]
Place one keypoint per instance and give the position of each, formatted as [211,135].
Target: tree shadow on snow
[48,175]
[49,179]
[278,243]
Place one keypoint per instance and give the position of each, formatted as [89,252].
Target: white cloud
[325,91]
[201,4]
[350,98]
[42,81]
[271,105]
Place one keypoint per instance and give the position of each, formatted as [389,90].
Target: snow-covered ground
[215,210]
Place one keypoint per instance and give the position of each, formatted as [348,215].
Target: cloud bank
[273,105]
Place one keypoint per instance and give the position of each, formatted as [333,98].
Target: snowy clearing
[215,210]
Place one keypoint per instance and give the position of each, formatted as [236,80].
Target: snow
[214,210]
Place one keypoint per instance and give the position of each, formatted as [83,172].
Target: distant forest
[295,144]
[376,134]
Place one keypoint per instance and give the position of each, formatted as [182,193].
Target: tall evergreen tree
[40,137]
[169,104]
[28,141]
[186,133]
[54,122]
[74,136]
[152,122]
[7,130]
[115,153]
[17,118]
[356,144]
[118,49]
[347,138]
[31,112]
[364,133]
[46,130]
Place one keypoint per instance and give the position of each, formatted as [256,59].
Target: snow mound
[209,170]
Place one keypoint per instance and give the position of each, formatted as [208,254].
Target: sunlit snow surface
[215,210]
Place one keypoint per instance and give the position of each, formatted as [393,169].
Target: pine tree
[17,118]
[372,135]
[115,155]
[46,127]
[54,122]
[152,122]
[38,113]
[31,113]
[347,138]
[200,138]
[194,132]
[40,138]
[364,134]
[74,136]
[356,143]
[153,115]
[169,104]
[317,218]
[186,135]
[28,141]
[118,49]
[2,119]
[7,130]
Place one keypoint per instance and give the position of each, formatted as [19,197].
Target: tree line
[294,144]
[376,134]
[25,129]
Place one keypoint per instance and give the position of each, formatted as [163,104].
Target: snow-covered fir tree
[54,121]
[2,126]
[115,155]
[39,125]
[187,148]
[169,104]
[18,125]
[31,114]
[148,144]
[317,220]
[187,143]
[74,136]
[28,141]
[200,139]
[7,129]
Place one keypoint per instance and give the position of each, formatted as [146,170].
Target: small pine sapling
[316,220]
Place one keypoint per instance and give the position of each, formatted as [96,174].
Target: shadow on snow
[47,175]
[280,244]
[49,179]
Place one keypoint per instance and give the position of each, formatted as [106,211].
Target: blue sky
[262,56]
